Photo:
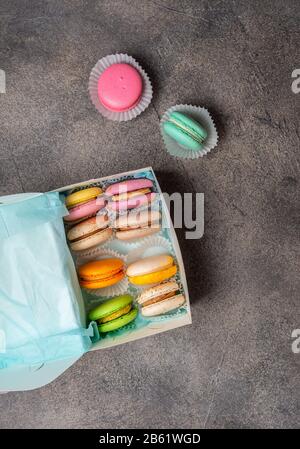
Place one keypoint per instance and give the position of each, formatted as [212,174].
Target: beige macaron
[89,233]
[161,299]
[134,225]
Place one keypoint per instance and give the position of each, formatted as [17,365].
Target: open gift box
[44,325]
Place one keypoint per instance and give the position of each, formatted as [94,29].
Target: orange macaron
[101,273]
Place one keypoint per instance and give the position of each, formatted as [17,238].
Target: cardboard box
[29,377]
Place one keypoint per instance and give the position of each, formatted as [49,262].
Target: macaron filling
[119,322]
[115,315]
[109,307]
[101,273]
[102,283]
[130,194]
[164,306]
[187,129]
[127,196]
[89,234]
[128,186]
[132,203]
[104,277]
[137,224]
[160,298]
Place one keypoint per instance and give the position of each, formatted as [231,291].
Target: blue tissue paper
[41,307]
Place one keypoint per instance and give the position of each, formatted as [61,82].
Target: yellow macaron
[151,270]
[82,196]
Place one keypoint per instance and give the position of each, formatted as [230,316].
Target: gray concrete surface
[234,366]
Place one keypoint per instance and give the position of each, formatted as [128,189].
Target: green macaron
[119,322]
[185,131]
[114,313]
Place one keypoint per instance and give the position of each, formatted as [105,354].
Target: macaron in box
[137,224]
[130,220]
[130,194]
[114,313]
[151,270]
[89,233]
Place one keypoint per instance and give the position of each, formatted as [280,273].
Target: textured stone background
[234,366]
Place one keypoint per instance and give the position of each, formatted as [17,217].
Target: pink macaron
[85,210]
[130,194]
[128,186]
[120,87]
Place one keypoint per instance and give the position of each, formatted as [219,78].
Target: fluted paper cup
[150,246]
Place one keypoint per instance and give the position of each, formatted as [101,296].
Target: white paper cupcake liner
[176,313]
[130,245]
[113,180]
[202,116]
[141,288]
[150,246]
[99,68]
[114,290]
[100,254]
